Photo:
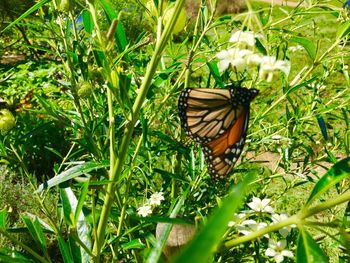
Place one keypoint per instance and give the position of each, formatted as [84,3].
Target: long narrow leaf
[65,252]
[205,243]
[308,251]
[3,218]
[158,248]
[26,13]
[71,173]
[36,232]
[70,204]
[337,173]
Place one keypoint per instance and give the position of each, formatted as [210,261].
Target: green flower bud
[85,89]
[66,5]
[7,121]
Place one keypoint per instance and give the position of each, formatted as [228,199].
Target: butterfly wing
[218,120]
[222,153]
[206,114]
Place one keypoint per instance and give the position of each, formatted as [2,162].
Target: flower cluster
[242,55]
[260,210]
[153,201]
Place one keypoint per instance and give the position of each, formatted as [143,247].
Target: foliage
[97,130]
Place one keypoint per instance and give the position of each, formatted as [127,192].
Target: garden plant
[98,163]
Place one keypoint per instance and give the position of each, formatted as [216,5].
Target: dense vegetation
[94,159]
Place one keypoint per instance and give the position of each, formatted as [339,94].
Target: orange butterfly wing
[218,120]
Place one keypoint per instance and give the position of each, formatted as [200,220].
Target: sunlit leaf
[205,243]
[26,13]
[335,174]
[71,173]
[307,44]
[308,251]
[88,22]
[343,30]
[3,218]
[133,244]
[69,203]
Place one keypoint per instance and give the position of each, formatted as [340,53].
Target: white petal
[222,54]
[282,243]
[287,253]
[279,258]
[284,66]
[270,252]
[268,209]
[223,65]
[238,63]
[265,202]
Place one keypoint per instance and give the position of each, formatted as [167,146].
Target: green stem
[117,166]
[296,219]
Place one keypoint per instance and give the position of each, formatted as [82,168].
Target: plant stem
[117,166]
[296,219]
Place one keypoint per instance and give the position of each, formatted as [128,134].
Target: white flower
[144,210]
[233,57]
[156,198]
[243,38]
[278,218]
[277,250]
[269,67]
[236,219]
[250,226]
[253,59]
[259,205]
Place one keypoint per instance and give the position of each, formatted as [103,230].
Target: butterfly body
[218,120]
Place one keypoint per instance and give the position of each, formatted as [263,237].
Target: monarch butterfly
[218,120]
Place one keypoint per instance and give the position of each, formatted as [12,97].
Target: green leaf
[260,47]
[3,219]
[335,174]
[36,232]
[120,37]
[110,11]
[307,44]
[343,30]
[83,192]
[13,256]
[67,208]
[133,244]
[308,250]
[87,21]
[43,224]
[65,252]
[26,13]
[205,243]
[70,204]
[214,70]
[157,251]
[71,173]
[292,89]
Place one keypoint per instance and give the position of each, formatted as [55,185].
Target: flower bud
[84,90]
[7,121]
